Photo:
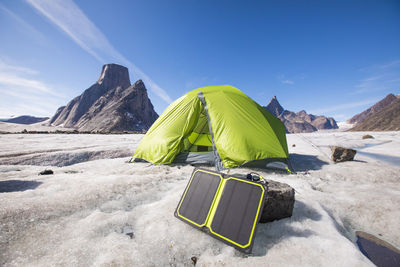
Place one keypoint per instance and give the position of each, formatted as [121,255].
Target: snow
[80,215]
[39,126]
[343,125]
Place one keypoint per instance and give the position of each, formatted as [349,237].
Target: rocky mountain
[299,122]
[274,107]
[25,119]
[390,98]
[386,119]
[112,104]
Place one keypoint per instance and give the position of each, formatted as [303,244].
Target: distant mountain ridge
[299,122]
[111,104]
[383,116]
[390,98]
[25,119]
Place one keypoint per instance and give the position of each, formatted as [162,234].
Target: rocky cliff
[111,104]
[390,98]
[299,122]
[386,119]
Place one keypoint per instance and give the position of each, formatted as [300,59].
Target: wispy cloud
[23,93]
[390,64]
[282,78]
[379,78]
[287,82]
[4,67]
[344,106]
[30,84]
[68,17]
[14,77]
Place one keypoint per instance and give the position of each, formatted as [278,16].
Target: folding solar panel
[226,207]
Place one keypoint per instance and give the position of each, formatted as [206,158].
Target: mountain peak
[139,83]
[299,122]
[274,107]
[358,118]
[113,75]
[111,104]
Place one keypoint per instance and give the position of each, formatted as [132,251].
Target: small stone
[46,172]
[194,260]
[129,232]
[367,136]
[340,154]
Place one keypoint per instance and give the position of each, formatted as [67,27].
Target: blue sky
[334,58]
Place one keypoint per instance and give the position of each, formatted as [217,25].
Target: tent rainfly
[217,125]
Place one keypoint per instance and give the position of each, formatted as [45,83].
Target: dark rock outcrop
[46,172]
[26,119]
[340,154]
[299,122]
[389,99]
[112,104]
[387,119]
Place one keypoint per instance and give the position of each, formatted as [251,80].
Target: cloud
[390,64]
[8,67]
[379,78]
[23,94]
[284,80]
[30,85]
[68,17]
[13,80]
[345,106]
[287,82]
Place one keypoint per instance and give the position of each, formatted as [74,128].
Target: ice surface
[80,215]
[39,126]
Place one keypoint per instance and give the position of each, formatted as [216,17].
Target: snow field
[80,215]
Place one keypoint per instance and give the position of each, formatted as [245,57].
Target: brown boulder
[367,136]
[340,154]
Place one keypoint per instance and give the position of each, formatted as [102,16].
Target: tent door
[217,159]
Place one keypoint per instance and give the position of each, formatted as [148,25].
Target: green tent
[218,125]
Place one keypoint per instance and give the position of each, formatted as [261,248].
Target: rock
[386,119]
[129,233]
[293,126]
[46,172]
[322,122]
[278,203]
[120,110]
[299,122]
[367,136]
[128,230]
[340,154]
[112,104]
[389,99]
[274,107]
